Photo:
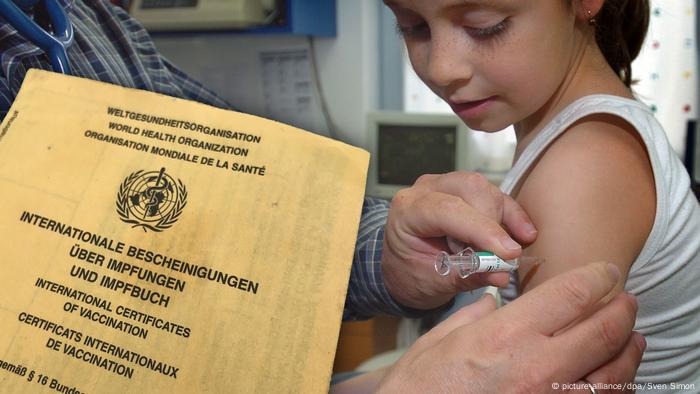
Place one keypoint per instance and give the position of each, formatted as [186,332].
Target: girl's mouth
[472,109]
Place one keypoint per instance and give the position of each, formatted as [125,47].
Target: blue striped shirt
[112,47]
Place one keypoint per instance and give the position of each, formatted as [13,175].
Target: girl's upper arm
[592,198]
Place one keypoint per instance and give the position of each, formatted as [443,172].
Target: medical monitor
[404,146]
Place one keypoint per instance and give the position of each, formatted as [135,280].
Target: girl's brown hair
[620,29]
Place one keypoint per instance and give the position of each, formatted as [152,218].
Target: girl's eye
[488,32]
[420,30]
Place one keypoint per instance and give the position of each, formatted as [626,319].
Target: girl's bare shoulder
[591,196]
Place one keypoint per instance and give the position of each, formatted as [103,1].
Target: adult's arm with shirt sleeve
[367,296]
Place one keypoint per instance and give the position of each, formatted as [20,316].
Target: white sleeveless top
[665,277]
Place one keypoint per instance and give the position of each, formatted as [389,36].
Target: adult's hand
[514,349]
[460,205]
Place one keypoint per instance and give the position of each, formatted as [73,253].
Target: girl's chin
[486,126]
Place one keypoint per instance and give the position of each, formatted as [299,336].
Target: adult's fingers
[462,317]
[517,221]
[475,190]
[622,369]
[488,199]
[465,315]
[440,214]
[566,298]
[598,339]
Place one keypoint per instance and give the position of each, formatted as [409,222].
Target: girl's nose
[448,62]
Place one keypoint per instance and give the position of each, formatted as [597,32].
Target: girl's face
[496,62]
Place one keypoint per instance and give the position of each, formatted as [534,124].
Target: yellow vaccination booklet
[152,244]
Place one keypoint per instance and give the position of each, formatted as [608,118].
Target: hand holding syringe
[468,262]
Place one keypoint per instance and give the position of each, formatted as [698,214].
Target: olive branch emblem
[127,214]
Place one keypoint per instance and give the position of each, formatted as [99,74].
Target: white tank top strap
[584,106]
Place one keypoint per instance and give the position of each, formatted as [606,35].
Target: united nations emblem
[151,200]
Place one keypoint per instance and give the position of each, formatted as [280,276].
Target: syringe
[470,262]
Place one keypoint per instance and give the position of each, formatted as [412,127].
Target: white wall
[666,68]
[348,67]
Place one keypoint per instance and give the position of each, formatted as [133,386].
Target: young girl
[593,168]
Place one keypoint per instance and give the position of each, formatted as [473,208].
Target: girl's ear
[586,10]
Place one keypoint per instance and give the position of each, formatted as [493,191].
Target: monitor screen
[405,152]
[403,146]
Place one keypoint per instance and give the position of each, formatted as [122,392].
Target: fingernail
[614,272]
[509,244]
[530,228]
[641,341]
[485,295]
